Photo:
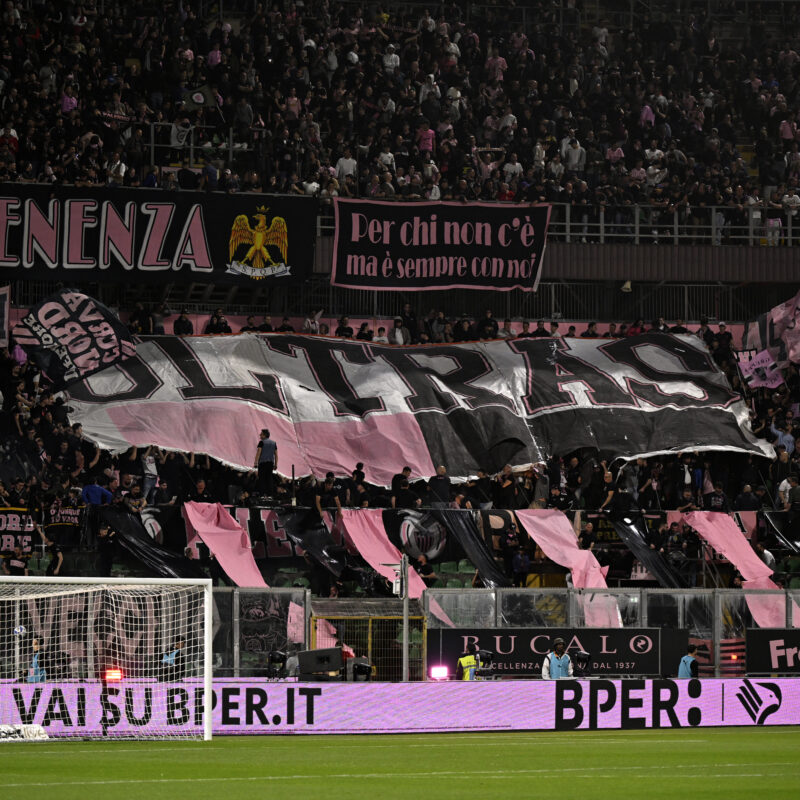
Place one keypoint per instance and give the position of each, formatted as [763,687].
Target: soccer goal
[105,658]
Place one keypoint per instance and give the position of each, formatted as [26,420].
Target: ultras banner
[330,403]
[256,707]
[409,247]
[17,528]
[69,234]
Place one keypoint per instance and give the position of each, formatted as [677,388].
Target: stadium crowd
[334,99]
[47,461]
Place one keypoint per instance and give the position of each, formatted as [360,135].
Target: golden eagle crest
[258,240]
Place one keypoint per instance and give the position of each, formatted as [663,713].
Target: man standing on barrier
[266,462]
[557,664]
[467,665]
[688,668]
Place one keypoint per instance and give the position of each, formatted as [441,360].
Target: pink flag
[225,538]
[552,531]
[778,331]
[296,623]
[364,527]
[725,536]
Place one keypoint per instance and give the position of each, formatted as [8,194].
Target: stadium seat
[448,567]
[465,566]
[454,583]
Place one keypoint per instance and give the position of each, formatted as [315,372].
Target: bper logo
[759,704]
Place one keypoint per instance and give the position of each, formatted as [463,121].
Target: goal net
[113,658]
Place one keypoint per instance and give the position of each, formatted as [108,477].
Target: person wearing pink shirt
[426,138]
[495,66]
[214,57]
[68,100]
[615,154]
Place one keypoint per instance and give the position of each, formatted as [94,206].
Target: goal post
[106,657]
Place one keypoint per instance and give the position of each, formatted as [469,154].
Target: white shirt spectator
[511,170]
[791,202]
[344,167]
[653,154]
[386,160]
[391,61]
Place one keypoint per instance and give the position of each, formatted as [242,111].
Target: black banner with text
[71,335]
[519,652]
[773,650]
[69,234]
[411,247]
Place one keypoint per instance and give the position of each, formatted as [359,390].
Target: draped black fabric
[632,533]
[462,526]
[305,529]
[785,525]
[131,535]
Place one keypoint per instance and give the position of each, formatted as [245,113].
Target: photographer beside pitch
[557,664]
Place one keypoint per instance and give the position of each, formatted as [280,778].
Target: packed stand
[336,100]
[47,462]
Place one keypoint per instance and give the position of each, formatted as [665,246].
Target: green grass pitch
[700,762]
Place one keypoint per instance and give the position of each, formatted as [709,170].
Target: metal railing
[197,143]
[647,224]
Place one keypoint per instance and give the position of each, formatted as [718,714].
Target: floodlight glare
[439,673]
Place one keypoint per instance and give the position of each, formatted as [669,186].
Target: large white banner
[330,403]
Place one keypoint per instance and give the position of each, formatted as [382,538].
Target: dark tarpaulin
[461,525]
[785,525]
[633,534]
[306,530]
[131,534]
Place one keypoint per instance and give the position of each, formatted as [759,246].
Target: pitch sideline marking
[573,771]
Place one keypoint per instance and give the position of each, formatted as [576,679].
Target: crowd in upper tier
[335,99]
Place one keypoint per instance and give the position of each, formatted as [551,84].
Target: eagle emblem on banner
[257,261]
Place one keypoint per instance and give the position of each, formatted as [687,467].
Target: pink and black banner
[777,331]
[409,247]
[760,370]
[70,336]
[78,234]
[256,707]
[330,403]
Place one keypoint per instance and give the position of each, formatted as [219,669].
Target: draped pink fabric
[552,531]
[225,538]
[725,536]
[364,528]
[296,623]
